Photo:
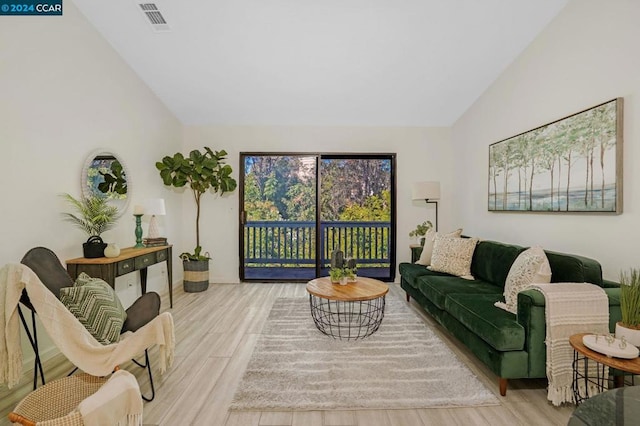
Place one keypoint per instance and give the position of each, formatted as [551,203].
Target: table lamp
[154,207]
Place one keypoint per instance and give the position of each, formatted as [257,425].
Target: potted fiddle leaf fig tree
[203,172]
[629,326]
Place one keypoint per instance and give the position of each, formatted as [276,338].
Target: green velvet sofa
[512,346]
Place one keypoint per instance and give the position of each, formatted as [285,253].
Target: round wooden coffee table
[349,312]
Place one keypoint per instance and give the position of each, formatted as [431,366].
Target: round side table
[586,376]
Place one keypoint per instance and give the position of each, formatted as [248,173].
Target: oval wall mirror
[105,175]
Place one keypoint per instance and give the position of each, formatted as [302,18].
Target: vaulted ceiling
[321,62]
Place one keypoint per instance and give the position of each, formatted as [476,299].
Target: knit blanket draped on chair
[570,308]
[68,334]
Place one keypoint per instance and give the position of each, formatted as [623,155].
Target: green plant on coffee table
[630,298]
[421,229]
[342,267]
[350,273]
[336,274]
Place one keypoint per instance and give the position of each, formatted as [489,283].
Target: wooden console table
[130,260]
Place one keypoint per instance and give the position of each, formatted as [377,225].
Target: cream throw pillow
[429,240]
[530,267]
[453,255]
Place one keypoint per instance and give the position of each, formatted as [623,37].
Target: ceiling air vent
[154,16]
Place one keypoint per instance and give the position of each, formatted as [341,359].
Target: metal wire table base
[347,320]
[583,378]
[592,378]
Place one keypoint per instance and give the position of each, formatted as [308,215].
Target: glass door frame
[392,188]
[319,156]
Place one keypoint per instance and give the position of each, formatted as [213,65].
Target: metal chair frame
[37,363]
[33,340]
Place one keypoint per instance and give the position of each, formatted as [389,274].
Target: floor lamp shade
[154,207]
[427,191]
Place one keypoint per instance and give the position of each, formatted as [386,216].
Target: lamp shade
[155,207]
[425,191]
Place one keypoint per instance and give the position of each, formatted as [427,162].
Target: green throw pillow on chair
[95,304]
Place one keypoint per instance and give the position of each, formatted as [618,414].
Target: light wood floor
[216,331]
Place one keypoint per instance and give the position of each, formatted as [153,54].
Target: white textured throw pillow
[429,240]
[453,255]
[530,267]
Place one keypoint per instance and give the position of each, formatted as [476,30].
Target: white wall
[422,154]
[65,92]
[587,55]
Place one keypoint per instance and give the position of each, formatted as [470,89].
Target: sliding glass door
[356,212]
[278,228]
[296,209]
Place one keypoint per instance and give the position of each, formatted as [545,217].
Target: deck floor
[306,274]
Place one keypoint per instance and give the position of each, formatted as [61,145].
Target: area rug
[403,365]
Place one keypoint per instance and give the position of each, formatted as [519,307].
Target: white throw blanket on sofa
[69,335]
[570,308]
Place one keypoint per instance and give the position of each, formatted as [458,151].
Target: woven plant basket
[196,275]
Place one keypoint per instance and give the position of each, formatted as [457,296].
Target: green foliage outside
[284,187]
[375,208]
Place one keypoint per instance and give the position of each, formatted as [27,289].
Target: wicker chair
[56,403]
[49,269]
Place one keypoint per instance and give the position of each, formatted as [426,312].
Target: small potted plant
[336,275]
[350,273]
[343,270]
[94,216]
[629,327]
[420,231]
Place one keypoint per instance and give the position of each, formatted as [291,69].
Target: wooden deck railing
[293,243]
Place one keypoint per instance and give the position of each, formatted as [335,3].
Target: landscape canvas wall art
[571,165]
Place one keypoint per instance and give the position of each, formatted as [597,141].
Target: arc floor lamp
[429,192]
